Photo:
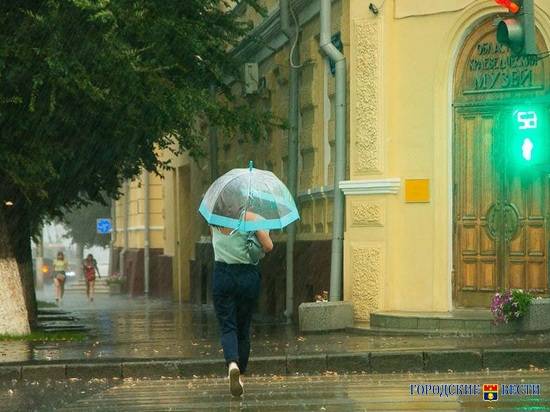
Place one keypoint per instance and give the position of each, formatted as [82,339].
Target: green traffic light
[529,144]
[527,148]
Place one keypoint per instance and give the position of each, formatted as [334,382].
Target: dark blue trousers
[235,289]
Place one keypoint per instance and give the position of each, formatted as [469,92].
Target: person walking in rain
[60,267]
[90,269]
[241,207]
[235,289]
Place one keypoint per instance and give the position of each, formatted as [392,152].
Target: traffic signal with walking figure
[530,142]
[518,30]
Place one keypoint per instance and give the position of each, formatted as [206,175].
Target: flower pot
[537,317]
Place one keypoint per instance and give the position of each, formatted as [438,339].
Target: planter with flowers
[115,282]
[521,311]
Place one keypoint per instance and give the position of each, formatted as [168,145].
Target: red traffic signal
[512,6]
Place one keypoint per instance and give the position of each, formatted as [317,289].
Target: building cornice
[267,38]
[371,187]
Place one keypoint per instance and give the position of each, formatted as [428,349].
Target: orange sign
[417,190]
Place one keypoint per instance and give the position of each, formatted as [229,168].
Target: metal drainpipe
[340,165]
[293,108]
[113,238]
[126,221]
[146,231]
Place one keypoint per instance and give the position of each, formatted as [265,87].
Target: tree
[81,225]
[91,91]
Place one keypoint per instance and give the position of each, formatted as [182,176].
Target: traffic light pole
[529,32]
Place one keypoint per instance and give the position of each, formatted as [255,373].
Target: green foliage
[46,337]
[522,301]
[81,225]
[91,90]
[44,304]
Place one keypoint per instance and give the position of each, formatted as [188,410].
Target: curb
[312,363]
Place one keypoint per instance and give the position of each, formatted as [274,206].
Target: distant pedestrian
[90,270]
[60,267]
[235,289]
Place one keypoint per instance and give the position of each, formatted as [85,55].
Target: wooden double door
[500,210]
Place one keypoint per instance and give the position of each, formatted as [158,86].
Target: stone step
[56,317]
[61,327]
[51,311]
[477,321]
[473,321]
[368,330]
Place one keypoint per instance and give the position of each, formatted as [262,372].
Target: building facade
[436,215]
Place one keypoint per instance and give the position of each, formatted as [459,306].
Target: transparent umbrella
[249,190]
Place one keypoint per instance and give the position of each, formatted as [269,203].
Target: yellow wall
[136,219]
[398,255]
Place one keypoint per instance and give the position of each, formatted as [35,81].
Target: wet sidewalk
[141,328]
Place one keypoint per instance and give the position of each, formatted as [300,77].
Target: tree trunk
[18,222]
[13,303]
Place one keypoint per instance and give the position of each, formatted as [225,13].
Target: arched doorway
[500,210]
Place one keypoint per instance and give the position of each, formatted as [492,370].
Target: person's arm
[265,240]
[262,235]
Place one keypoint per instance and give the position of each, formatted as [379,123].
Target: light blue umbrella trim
[249,225]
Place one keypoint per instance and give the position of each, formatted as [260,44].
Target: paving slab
[387,362]
[268,365]
[202,367]
[306,363]
[457,361]
[151,369]
[94,370]
[43,372]
[349,362]
[516,359]
[8,373]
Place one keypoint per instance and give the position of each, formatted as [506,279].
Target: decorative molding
[315,193]
[366,290]
[369,213]
[371,187]
[367,139]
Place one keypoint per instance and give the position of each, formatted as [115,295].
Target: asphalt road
[295,393]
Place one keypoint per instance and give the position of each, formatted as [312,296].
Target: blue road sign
[104,226]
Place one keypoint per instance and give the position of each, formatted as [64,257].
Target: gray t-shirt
[231,248]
